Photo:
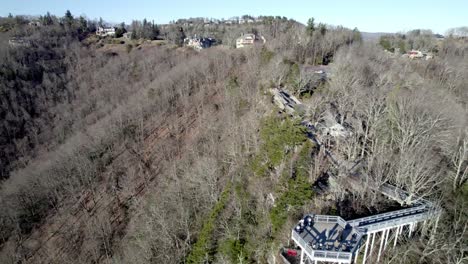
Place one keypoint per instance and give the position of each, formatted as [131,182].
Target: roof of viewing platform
[329,233]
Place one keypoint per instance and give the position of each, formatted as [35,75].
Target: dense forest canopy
[141,150]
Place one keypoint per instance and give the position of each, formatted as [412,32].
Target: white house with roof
[199,43]
[248,40]
[35,24]
[105,31]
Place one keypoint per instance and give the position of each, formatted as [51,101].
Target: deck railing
[321,255]
[387,216]
[330,219]
[397,222]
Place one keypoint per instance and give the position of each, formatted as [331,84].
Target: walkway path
[338,249]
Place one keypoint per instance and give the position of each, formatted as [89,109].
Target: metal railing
[342,222]
[387,216]
[396,222]
[322,255]
[363,226]
[329,255]
[358,240]
[330,219]
[300,241]
[326,218]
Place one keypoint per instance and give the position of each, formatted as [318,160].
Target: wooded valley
[152,152]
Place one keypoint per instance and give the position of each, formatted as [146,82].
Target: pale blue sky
[367,15]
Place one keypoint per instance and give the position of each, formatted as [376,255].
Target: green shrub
[298,189]
[277,136]
[385,43]
[234,249]
[202,250]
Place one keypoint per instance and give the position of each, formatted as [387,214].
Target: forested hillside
[147,152]
[34,78]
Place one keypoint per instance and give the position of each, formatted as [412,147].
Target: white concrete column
[386,238]
[365,250]
[381,244]
[410,229]
[302,256]
[396,235]
[356,254]
[372,244]
[315,262]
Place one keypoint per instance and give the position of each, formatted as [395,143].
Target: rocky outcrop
[284,100]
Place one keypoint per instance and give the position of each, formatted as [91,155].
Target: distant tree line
[415,39]
[144,29]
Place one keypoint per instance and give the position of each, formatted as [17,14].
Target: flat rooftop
[330,236]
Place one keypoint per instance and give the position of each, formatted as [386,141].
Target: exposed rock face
[336,130]
[329,126]
[284,100]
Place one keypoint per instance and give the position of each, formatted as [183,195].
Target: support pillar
[396,236]
[410,230]
[381,244]
[372,244]
[365,250]
[386,238]
[356,254]
[423,229]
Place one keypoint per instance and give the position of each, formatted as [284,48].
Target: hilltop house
[35,24]
[415,54]
[19,42]
[199,43]
[246,21]
[249,40]
[105,31]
